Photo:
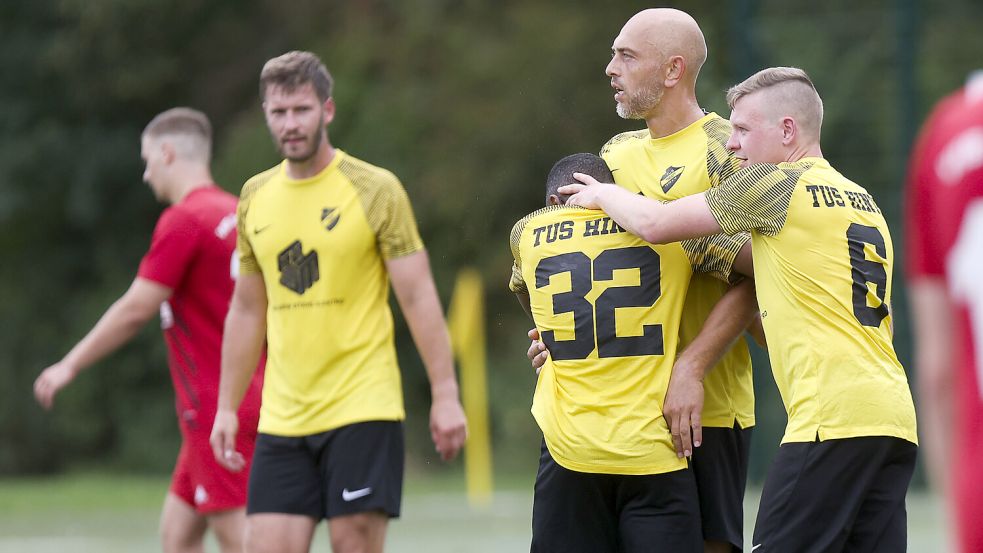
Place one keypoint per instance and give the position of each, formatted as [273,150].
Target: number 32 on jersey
[594,324]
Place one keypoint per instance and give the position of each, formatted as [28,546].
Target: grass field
[114,514]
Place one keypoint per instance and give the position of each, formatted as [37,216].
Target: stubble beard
[314,141]
[640,105]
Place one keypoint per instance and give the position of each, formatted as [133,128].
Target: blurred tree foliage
[468,102]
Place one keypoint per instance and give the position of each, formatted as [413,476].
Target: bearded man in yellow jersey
[655,61]
[608,306]
[823,261]
[320,237]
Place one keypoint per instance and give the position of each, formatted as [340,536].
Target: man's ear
[675,69]
[554,200]
[329,109]
[790,129]
[167,152]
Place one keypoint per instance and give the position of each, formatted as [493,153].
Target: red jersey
[193,253]
[945,240]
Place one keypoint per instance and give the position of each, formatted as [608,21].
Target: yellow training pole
[466,320]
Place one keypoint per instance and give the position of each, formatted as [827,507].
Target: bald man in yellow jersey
[823,261]
[320,237]
[608,306]
[656,59]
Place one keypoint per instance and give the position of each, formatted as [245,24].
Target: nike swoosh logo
[755,547]
[258,230]
[355,494]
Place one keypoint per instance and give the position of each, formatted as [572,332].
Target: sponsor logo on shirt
[298,271]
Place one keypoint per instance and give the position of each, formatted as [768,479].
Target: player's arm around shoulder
[117,326]
[417,296]
[242,345]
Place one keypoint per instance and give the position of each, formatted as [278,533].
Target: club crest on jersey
[670,177]
[330,217]
[298,272]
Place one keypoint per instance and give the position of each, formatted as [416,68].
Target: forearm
[426,321]
[729,318]
[932,320]
[637,214]
[242,345]
[417,297]
[115,328]
[935,420]
[523,298]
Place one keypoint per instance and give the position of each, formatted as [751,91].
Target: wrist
[443,390]
[71,365]
[686,368]
[225,409]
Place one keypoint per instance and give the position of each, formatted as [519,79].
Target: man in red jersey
[945,261]
[187,275]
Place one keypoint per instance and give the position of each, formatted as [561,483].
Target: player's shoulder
[365,175]
[258,181]
[625,140]
[717,129]
[205,205]
[789,172]
[548,211]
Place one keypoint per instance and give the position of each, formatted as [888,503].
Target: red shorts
[204,484]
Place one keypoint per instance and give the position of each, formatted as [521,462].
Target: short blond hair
[293,70]
[794,89]
[189,130]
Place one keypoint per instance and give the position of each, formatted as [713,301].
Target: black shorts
[845,495]
[578,512]
[352,469]
[720,466]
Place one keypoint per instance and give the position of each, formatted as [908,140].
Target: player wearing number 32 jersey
[608,306]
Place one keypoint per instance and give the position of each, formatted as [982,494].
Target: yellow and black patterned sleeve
[247,259]
[714,255]
[721,165]
[387,208]
[516,283]
[756,198]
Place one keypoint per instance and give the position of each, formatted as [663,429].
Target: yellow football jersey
[684,163]
[823,259]
[320,244]
[607,304]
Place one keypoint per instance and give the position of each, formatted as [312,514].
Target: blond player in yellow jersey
[608,306]
[656,59]
[321,236]
[823,261]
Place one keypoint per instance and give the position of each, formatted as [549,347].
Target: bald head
[784,92]
[669,32]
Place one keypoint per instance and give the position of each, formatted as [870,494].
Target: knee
[351,539]
[179,540]
[253,541]
[231,540]
[358,534]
